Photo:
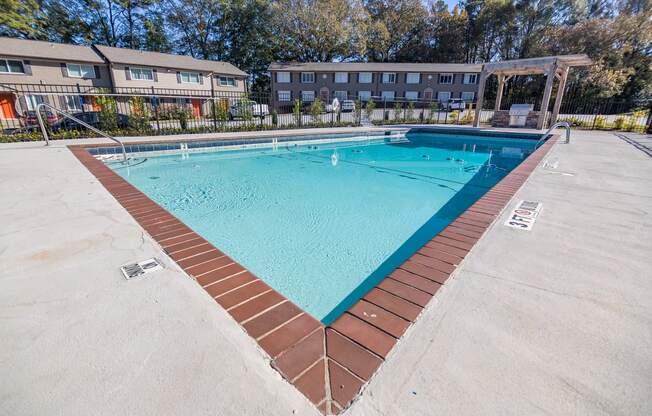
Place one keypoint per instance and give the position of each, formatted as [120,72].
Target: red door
[7,109]
[196,107]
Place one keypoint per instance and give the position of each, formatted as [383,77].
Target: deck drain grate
[133,270]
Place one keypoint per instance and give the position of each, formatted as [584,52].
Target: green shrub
[410,111]
[274,118]
[316,110]
[182,114]
[139,116]
[108,115]
[296,111]
[619,123]
[369,109]
[600,122]
[398,108]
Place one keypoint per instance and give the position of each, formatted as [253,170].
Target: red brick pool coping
[328,364]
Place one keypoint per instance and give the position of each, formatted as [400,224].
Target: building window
[341,77]
[32,101]
[308,96]
[283,77]
[413,78]
[227,81]
[8,66]
[80,71]
[141,74]
[72,102]
[307,77]
[190,78]
[341,95]
[284,95]
[364,95]
[445,78]
[470,78]
[389,78]
[387,95]
[364,78]
[468,96]
[443,96]
[411,95]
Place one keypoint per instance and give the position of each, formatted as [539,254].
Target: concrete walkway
[557,320]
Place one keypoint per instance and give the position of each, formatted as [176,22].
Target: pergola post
[547,92]
[478,108]
[499,92]
[560,95]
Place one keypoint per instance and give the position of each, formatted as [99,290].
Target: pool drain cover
[141,268]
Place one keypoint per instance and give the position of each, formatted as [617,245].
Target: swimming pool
[322,222]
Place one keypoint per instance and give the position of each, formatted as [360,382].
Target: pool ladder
[44,131]
[564,124]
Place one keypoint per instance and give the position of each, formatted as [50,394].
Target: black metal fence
[143,111]
[149,111]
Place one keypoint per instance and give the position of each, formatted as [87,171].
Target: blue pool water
[323,223]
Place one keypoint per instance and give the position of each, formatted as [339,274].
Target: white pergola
[552,66]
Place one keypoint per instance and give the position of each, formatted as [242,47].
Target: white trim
[364,95]
[414,95]
[341,95]
[219,81]
[371,77]
[141,69]
[387,77]
[81,71]
[388,95]
[418,79]
[75,99]
[307,96]
[283,77]
[188,73]
[340,74]
[9,71]
[312,76]
[452,77]
[467,78]
[468,99]
[281,95]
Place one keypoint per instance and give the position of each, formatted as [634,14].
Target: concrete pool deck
[555,320]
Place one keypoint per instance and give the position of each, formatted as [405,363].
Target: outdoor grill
[518,114]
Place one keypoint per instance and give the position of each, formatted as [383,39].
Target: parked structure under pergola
[553,67]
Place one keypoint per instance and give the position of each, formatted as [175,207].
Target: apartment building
[67,75]
[382,81]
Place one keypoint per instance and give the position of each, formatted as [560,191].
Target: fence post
[80,99]
[156,104]
[213,109]
[384,109]
[648,130]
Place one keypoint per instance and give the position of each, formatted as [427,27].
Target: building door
[427,94]
[7,109]
[324,95]
[196,107]
[95,105]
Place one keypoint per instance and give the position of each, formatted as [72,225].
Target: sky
[451,3]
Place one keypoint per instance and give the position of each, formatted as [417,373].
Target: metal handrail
[76,120]
[564,124]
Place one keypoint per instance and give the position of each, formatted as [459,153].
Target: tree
[319,30]
[393,25]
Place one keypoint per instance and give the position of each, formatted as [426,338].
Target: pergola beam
[499,92]
[547,92]
[555,67]
[478,109]
[560,95]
